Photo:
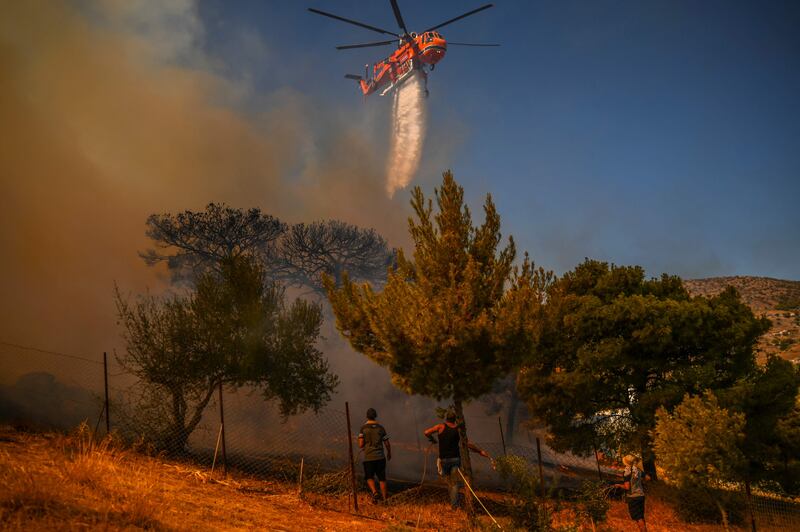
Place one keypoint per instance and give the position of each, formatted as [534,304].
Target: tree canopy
[234,328]
[194,242]
[616,346]
[453,319]
[332,248]
[768,400]
[747,432]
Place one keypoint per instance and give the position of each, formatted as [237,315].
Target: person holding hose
[449,460]
[633,484]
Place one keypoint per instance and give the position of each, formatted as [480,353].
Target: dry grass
[63,483]
[69,483]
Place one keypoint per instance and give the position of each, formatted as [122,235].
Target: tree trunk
[174,442]
[649,461]
[466,464]
[201,406]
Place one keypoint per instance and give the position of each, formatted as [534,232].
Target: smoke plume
[114,110]
[409,117]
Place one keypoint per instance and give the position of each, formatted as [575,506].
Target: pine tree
[615,346]
[454,319]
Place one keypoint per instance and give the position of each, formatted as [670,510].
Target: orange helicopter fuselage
[426,49]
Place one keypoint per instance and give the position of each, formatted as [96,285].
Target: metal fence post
[300,480]
[105,378]
[216,449]
[222,431]
[502,437]
[750,504]
[350,454]
[597,461]
[539,457]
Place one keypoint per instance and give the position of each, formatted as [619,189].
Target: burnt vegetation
[194,242]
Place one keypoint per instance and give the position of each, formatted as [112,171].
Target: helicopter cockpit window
[428,37]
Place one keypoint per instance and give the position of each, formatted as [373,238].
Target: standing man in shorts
[373,438]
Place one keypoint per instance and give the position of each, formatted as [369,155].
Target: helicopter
[416,52]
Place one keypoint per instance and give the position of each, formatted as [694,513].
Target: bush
[593,503]
[788,302]
[698,443]
[526,510]
[785,343]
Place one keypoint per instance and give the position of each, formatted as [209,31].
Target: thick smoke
[113,111]
[409,120]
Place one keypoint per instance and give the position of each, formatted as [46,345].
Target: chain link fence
[772,512]
[239,430]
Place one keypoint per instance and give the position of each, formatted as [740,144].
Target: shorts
[375,468]
[445,466]
[636,508]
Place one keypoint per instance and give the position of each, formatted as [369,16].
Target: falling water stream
[409,119]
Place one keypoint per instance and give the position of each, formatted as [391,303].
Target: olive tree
[233,329]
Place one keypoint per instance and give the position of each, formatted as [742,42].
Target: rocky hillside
[777,299]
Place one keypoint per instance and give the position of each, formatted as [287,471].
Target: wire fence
[775,513]
[237,429]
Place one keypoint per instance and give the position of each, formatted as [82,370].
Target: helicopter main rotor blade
[487,6]
[365,45]
[354,22]
[470,44]
[398,16]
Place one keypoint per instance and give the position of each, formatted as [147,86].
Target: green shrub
[526,510]
[785,343]
[593,503]
[789,302]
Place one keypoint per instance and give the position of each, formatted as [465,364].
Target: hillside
[777,299]
[57,482]
[53,482]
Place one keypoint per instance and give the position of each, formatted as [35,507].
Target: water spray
[409,120]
